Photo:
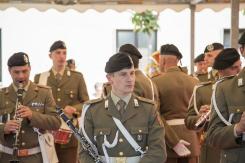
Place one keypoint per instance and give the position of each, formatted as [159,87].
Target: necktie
[121,106]
[58,77]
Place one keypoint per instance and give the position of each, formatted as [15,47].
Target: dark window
[145,43]
[1,55]
[226,39]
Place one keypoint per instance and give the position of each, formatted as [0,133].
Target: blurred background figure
[152,69]
[201,68]
[70,63]
[98,87]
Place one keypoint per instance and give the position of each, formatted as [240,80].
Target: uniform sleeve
[219,135]
[1,114]
[171,137]
[192,117]
[49,120]
[156,141]
[83,94]
[36,78]
[88,125]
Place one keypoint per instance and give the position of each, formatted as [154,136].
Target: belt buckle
[23,152]
[121,160]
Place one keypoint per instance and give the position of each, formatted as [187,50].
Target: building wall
[91,36]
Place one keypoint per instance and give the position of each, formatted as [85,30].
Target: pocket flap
[236,109]
[102,131]
[139,130]
[70,91]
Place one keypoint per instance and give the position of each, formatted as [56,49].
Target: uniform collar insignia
[136,103]
[106,103]
[240,82]
[68,73]
[37,104]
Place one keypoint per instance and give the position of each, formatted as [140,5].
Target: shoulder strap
[126,134]
[213,100]
[43,78]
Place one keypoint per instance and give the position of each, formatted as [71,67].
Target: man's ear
[50,55]
[109,78]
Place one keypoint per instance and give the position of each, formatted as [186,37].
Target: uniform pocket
[139,133]
[71,93]
[237,112]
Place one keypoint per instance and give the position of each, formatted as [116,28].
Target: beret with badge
[226,58]
[118,62]
[242,39]
[213,47]
[18,59]
[170,49]
[199,58]
[57,45]
[131,50]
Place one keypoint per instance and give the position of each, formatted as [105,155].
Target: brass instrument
[19,102]
[202,119]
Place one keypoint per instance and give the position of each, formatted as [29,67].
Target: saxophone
[19,102]
[85,144]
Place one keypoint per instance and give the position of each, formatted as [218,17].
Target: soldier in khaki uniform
[69,91]
[175,89]
[138,116]
[227,63]
[227,124]
[202,69]
[37,110]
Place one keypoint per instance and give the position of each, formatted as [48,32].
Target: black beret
[170,49]
[18,59]
[213,47]
[118,62]
[199,58]
[57,45]
[130,49]
[242,39]
[226,58]
[70,61]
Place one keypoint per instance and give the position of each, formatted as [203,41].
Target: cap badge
[210,47]
[25,59]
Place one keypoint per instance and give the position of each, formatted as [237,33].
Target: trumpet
[202,119]
[19,102]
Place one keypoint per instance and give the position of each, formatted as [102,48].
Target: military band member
[138,116]
[201,68]
[211,51]
[227,63]
[69,91]
[175,89]
[227,123]
[37,110]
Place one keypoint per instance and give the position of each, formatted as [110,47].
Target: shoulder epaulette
[43,86]
[5,90]
[77,72]
[205,83]
[93,101]
[144,99]
[226,78]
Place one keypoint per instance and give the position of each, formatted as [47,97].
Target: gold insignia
[25,59]
[210,47]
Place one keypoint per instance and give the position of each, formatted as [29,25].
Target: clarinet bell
[14,161]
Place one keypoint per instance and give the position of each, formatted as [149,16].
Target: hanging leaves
[145,22]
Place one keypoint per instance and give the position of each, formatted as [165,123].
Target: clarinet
[202,119]
[85,144]
[17,133]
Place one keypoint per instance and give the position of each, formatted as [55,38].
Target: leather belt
[175,122]
[21,152]
[134,159]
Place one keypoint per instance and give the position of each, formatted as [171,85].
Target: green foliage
[145,22]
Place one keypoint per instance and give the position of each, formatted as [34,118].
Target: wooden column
[192,37]
[234,23]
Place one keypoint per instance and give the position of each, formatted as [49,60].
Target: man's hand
[204,109]
[240,126]
[24,112]
[69,110]
[11,126]
[181,148]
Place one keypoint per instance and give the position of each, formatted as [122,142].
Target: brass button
[37,109]
[6,102]
[140,131]
[120,153]
[101,133]
[58,99]
[120,140]
[22,131]
[58,89]
[238,110]
[23,143]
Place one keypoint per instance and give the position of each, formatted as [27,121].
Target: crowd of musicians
[163,116]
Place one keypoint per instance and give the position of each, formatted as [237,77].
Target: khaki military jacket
[141,121]
[230,95]
[39,99]
[201,77]
[203,97]
[175,89]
